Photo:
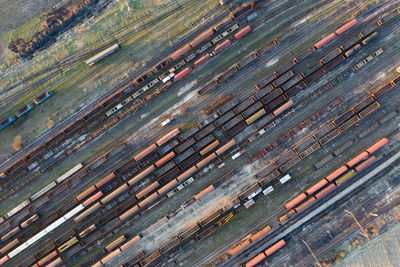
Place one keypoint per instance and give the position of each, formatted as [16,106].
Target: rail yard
[266,134]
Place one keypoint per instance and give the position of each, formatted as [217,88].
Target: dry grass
[17,145]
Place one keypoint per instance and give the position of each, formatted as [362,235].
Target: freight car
[99,56]
[4,123]
[329,183]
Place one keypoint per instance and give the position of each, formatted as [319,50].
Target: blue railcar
[6,122]
[43,97]
[23,110]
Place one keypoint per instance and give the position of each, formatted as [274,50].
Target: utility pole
[312,253]
[358,223]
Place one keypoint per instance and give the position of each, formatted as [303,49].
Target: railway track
[90,106]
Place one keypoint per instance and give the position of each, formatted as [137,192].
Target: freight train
[330,182]
[258,190]
[167,76]
[22,111]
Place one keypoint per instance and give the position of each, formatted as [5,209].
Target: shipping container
[370,38]
[206,161]
[256,260]
[205,131]
[209,148]
[232,123]
[296,201]
[261,234]
[349,123]
[210,86]
[383,90]
[265,48]
[250,193]
[329,137]
[369,109]
[346,26]
[334,175]
[228,106]
[275,103]
[279,81]
[188,233]
[246,61]
[328,58]
[315,76]
[356,160]
[223,179]
[210,218]
[284,158]
[225,147]
[365,164]
[285,35]
[142,175]
[235,251]
[264,82]
[190,161]
[235,130]
[291,82]
[201,38]
[269,178]
[241,11]
[325,191]
[284,70]
[255,116]
[353,50]
[242,32]
[219,48]
[378,145]
[266,170]
[294,90]
[200,61]
[76,177]
[324,41]
[309,150]
[304,205]
[273,95]
[345,177]
[182,51]
[262,93]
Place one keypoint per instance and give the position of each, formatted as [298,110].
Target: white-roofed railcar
[102,54]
